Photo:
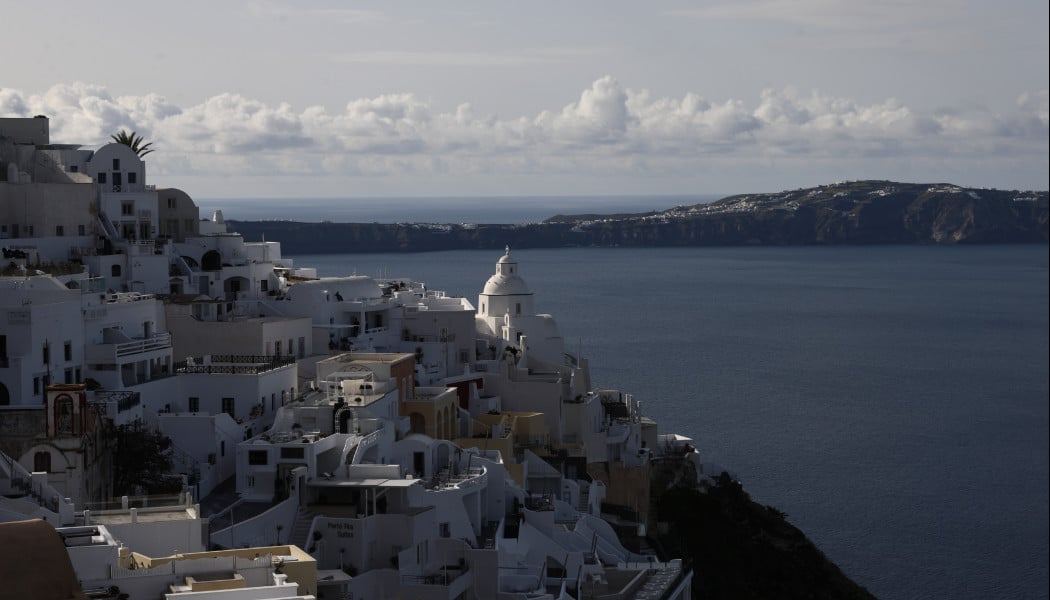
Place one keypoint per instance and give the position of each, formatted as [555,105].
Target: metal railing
[126,400]
[233,364]
[159,341]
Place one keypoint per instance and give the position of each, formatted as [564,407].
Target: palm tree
[133,141]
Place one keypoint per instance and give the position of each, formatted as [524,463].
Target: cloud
[608,130]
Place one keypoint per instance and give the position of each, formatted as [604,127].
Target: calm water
[892,400]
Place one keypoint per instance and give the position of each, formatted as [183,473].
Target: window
[517,308]
[60,230]
[302,347]
[47,353]
[277,348]
[36,385]
[42,462]
[258,457]
[64,414]
[227,406]
[293,453]
[264,285]
[127,208]
[102,178]
[68,376]
[29,230]
[67,350]
[73,168]
[133,177]
[114,271]
[81,230]
[171,203]
[444,530]
[195,404]
[116,164]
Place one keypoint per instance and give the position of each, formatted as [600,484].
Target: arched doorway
[418,423]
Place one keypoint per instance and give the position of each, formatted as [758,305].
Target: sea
[476,209]
[892,400]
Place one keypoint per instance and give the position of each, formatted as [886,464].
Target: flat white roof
[362,483]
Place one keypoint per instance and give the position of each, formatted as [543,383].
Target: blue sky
[267,99]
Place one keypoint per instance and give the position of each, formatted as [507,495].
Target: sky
[250,98]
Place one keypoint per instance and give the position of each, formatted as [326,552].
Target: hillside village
[327,437]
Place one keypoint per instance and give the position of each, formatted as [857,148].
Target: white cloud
[608,130]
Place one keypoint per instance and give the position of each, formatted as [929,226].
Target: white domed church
[505,312]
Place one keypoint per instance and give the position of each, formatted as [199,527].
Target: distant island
[854,212]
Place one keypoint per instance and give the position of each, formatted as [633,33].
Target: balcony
[472,478]
[233,364]
[123,400]
[111,354]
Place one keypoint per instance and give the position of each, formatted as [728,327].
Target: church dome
[500,285]
[506,281]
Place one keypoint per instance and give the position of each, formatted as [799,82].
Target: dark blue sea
[892,400]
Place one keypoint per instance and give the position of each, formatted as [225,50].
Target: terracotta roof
[34,563]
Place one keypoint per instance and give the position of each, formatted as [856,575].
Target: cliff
[742,550]
[859,212]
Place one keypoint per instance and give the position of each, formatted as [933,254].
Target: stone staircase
[304,518]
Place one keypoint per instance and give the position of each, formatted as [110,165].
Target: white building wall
[160,537]
[113,159]
[34,312]
[148,273]
[31,215]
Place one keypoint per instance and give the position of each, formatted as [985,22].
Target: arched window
[64,415]
[211,261]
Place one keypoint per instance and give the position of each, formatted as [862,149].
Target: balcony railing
[111,353]
[126,400]
[159,341]
[233,364]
